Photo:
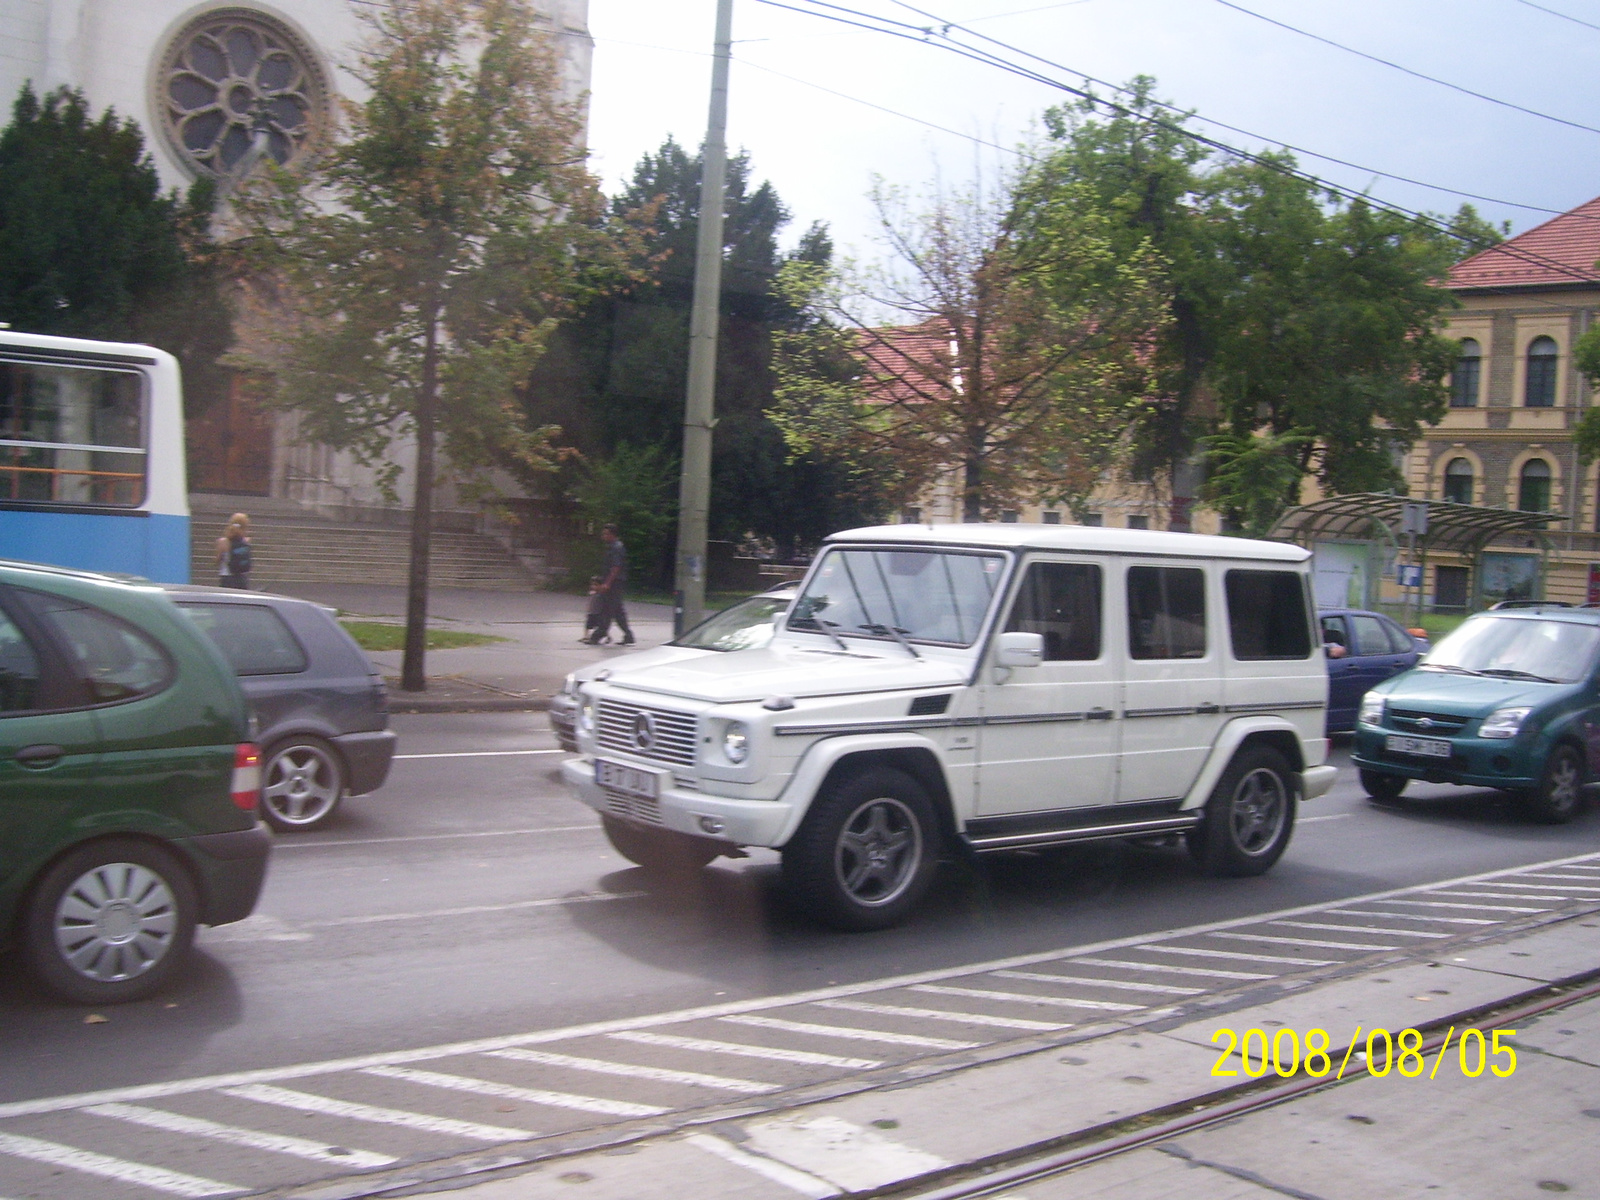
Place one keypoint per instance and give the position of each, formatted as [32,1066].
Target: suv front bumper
[742,822]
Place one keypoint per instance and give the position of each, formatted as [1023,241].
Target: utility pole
[694,489]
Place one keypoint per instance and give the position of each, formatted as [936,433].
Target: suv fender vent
[929,706]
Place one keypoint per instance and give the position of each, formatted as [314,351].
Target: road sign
[1414,517]
[1409,575]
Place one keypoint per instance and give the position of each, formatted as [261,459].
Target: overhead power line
[1562,15]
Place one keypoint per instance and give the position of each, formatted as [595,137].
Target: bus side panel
[154,546]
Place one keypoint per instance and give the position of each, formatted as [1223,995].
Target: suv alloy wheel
[1249,817]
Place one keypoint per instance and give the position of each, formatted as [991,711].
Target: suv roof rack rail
[1504,604]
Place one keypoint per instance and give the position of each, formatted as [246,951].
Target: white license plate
[623,778]
[1426,747]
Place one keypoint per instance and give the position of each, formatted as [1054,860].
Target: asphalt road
[473,898]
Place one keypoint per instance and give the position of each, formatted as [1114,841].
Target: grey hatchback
[322,710]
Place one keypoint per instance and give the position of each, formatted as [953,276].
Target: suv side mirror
[1018,649]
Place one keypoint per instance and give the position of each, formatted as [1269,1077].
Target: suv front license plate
[623,778]
[1426,747]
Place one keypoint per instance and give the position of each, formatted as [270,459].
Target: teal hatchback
[128,784]
[1510,700]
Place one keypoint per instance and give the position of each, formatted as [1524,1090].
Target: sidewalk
[963,1128]
[519,674]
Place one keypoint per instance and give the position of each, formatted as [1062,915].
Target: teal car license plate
[1423,747]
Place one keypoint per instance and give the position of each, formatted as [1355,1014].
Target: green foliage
[1586,433]
[90,247]
[1253,478]
[636,489]
[380,635]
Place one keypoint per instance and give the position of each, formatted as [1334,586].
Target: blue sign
[1409,576]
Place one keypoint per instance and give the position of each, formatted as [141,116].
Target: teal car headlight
[736,742]
[1503,723]
[1371,710]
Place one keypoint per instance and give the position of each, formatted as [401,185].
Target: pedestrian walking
[233,553]
[614,576]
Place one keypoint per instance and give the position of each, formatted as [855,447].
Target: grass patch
[376,635]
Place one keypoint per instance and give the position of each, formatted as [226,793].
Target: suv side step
[1079,826]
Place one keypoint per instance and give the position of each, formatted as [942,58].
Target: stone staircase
[292,544]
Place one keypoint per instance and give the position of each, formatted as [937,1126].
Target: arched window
[1541,392]
[1464,381]
[1458,481]
[1533,493]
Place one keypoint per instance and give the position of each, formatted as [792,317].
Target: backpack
[239,557]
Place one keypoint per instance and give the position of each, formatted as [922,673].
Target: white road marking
[56,1155]
[601,1066]
[1367,912]
[282,931]
[263,1093]
[1240,954]
[1543,887]
[1499,896]
[934,989]
[1122,984]
[1588,877]
[744,1050]
[1290,941]
[940,1014]
[1326,817]
[1066,955]
[854,1157]
[479,754]
[1164,969]
[507,1091]
[795,1181]
[1416,933]
[850,1033]
[170,1122]
[1468,907]
[283,844]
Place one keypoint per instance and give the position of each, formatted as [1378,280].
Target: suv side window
[252,637]
[19,670]
[115,660]
[1166,612]
[1267,615]
[1062,602]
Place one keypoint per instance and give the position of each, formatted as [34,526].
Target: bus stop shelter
[1463,530]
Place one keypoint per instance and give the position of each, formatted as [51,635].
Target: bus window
[71,434]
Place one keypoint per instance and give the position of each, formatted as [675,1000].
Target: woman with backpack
[233,553]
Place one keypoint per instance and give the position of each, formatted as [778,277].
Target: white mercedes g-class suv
[976,688]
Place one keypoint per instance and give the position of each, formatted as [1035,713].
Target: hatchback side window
[19,670]
[1267,615]
[1371,636]
[1166,612]
[1061,601]
[117,661]
[252,637]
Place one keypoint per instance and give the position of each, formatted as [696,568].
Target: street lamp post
[694,489]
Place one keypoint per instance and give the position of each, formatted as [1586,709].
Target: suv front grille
[666,736]
[1437,724]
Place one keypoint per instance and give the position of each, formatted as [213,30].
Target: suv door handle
[1099,714]
[42,755]
[1208,710]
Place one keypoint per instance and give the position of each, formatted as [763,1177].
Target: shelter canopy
[1452,528]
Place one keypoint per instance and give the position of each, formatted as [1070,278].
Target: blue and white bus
[92,456]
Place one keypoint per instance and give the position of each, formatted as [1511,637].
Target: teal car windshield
[1519,648]
[921,595]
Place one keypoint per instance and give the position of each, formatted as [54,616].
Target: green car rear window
[19,670]
[117,661]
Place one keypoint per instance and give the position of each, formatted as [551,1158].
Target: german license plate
[1425,747]
[623,778]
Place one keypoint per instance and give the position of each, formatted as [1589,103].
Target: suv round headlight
[585,715]
[736,742]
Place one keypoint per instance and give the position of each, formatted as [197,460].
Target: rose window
[232,75]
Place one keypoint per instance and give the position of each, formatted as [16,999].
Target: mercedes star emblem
[644,731]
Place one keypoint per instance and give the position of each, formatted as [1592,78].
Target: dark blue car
[1364,648]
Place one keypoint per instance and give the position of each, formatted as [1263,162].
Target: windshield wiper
[897,634]
[1513,673]
[829,628]
[1451,667]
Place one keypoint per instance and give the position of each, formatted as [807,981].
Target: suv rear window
[252,637]
[1267,616]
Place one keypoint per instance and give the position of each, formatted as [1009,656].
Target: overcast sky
[803,90]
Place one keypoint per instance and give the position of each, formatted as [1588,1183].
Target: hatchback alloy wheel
[301,784]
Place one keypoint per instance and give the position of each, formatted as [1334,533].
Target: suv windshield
[1519,648]
[924,595]
[746,625]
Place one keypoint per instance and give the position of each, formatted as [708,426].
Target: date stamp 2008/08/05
[1286,1054]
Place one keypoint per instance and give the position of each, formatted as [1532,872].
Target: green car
[1510,700]
[128,784]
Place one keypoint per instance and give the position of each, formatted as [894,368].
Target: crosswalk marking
[1544,887]
[1551,875]
[939,1014]
[56,1155]
[1468,907]
[744,1050]
[1500,896]
[795,1180]
[1416,933]
[1367,912]
[934,989]
[265,1093]
[1165,969]
[851,1033]
[1292,941]
[1123,984]
[601,1066]
[1275,958]
[254,1139]
[507,1091]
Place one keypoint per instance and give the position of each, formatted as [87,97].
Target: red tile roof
[1563,250]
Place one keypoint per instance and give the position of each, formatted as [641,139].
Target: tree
[1021,348]
[430,255]
[91,247]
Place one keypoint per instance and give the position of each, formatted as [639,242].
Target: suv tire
[663,852]
[866,851]
[110,922]
[302,782]
[1558,796]
[1250,816]
[1383,789]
